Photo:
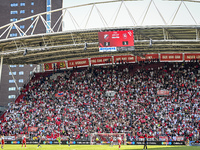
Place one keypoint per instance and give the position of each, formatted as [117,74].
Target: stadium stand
[74,102]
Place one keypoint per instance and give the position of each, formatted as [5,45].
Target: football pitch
[98,147]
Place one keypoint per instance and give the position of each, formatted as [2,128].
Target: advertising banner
[178,143]
[77,63]
[32,129]
[124,58]
[171,57]
[61,65]
[54,66]
[194,143]
[156,143]
[163,138]
[179,138]
[189,57]
[163,92]
[63,142]
[48,66]
[147,57]
[9,138]
[101,60]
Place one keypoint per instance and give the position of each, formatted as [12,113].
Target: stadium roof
[69,44]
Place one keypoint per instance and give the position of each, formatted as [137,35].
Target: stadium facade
[12,11]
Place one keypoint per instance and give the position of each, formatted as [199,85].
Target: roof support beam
[168,34]
[190,13]
[176,12]
[46,24]
[36,21]
[89,15]
[102,18]
[146,12]
[117,13]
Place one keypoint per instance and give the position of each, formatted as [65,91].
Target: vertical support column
[197,34]
[1,66]
[164,34]
[159,57]
[89,60]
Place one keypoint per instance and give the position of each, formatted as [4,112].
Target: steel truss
[68,44]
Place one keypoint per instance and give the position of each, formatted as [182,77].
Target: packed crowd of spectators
[76,102]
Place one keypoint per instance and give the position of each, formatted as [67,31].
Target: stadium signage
[171,57]
[48,66]
[107,49]
[118,59]
[188,57]
[54,65]
[116,41]
[125,58]
[148,57]
[178,143]
[163,138]
[194,143]
[152,143]
[179,138]
[9,138]
[156,143]
[34,129]
[163,92]
[101,60]
[79,62]
[88,142]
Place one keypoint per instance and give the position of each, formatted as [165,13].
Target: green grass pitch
[99,147]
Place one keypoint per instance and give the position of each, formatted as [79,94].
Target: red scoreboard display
[116,41]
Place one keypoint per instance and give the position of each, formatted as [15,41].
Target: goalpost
[104,138]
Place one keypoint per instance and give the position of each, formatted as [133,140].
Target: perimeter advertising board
[63,142]
[116,41]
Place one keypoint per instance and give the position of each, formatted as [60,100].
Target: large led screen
[116,41]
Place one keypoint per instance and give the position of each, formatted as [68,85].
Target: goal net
[105,138]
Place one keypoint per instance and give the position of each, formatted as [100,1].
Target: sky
[131,13]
